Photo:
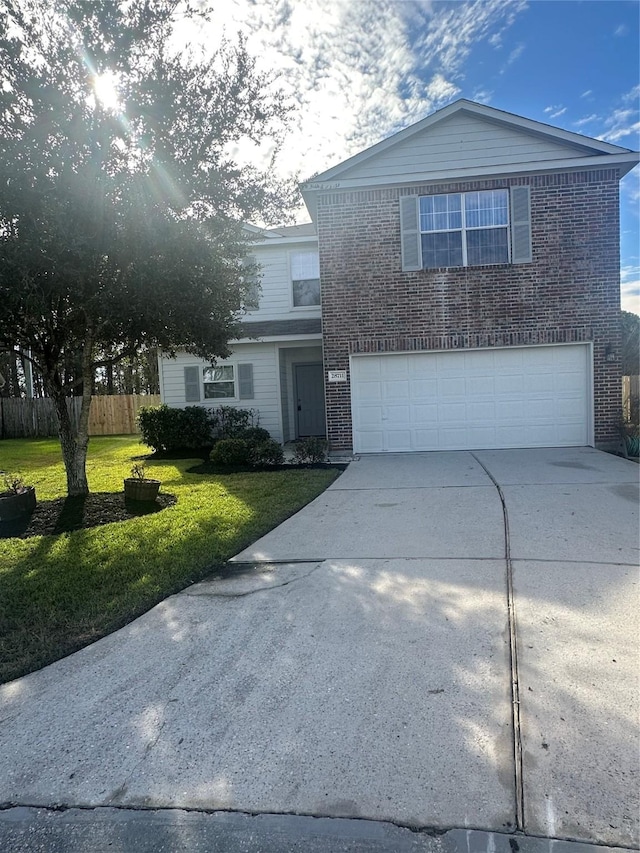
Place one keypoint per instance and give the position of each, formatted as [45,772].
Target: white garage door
[498,398]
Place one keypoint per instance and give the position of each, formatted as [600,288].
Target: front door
[309,388]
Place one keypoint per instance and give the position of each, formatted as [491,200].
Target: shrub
[231,452]
[256,435]
[160,427]
[267,452]
[195,425]
[227,422]
[166,430]
[311,450]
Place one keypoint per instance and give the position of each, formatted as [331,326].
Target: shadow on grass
[64,515]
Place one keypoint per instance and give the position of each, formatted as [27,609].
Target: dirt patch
[66,514]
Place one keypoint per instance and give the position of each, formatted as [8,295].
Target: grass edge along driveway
[60,593]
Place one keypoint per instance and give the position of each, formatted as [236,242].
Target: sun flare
[105,87]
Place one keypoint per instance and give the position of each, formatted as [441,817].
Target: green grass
[59,593]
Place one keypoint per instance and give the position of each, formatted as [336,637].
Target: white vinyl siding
[461,141]
[276,301]
[476,399]
[266,388]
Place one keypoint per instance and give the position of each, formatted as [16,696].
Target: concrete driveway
[440,641]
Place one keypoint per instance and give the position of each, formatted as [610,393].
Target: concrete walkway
[364,660]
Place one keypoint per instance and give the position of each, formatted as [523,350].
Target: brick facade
[569,293]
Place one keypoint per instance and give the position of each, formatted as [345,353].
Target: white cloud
[586,94]
[586,120]
[555,111]
[623,121]
[621,30]
[440,89]
[515,54]
[630,295]
[356,70]
[482,96]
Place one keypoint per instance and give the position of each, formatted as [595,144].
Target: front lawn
[59,593]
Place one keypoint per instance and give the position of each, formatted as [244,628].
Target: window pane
[442,250]
[218,374]
[219,389]
[487,208]
[306,292]
[487,247]
[440,212]
[304,265]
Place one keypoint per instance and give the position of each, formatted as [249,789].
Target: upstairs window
[305,279]
[464,229]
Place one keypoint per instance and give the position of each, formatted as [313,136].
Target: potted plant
[137,487]
[17,500]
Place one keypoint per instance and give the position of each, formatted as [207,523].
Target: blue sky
[359,70]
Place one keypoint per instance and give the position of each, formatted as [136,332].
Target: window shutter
[192,384]
[245,381]
[410,233]
[521,225]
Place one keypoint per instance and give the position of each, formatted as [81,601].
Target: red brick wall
[570,292]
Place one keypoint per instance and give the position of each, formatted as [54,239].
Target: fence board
[630,394]
[112,415]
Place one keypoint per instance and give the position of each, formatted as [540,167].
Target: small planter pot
[141,490]
[18,505]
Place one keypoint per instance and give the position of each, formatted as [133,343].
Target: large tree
[121,208]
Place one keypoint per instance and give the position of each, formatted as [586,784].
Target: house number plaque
[337,376]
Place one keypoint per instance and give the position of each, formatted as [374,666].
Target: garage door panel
[369,391]
[420,388]
[396,415]
[480,386]
[395,368]
[481,411]
[370,416]
[426,413]
[398,390]
[510,397]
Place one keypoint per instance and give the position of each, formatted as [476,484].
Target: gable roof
[466,139]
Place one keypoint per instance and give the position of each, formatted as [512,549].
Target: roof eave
[488,113]
[625,162]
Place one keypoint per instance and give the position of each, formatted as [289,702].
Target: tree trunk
[74,444]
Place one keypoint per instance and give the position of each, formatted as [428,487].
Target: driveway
[440,641]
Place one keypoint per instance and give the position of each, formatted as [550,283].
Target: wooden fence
[630,394]
[116,415]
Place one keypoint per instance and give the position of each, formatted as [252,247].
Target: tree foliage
[630,343]
[121,216]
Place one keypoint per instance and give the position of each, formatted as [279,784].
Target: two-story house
[469,297]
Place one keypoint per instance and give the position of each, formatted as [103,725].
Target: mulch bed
[66,514]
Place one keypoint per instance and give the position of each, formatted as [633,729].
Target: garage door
[498,398]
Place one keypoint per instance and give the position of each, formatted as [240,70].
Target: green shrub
[256,435]
[196,427]
[267,452]
[231,452]
[167,430]
[160,427]
[311,450]
[227,422]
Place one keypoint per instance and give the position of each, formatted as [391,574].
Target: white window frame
[464,228]
[295,307]
[219,381]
